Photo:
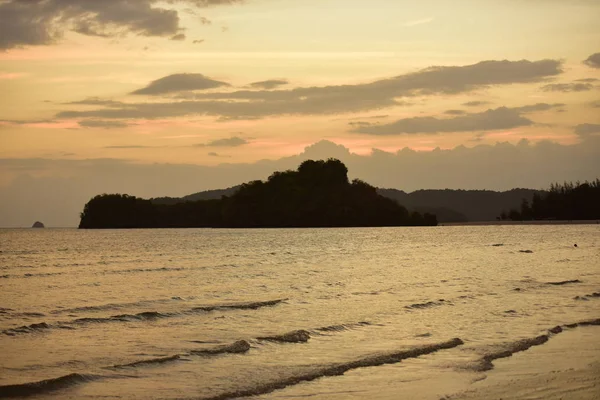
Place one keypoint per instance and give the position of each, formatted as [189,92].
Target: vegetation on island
[318,194]
[579,201]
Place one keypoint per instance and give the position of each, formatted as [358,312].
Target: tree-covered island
[318,194]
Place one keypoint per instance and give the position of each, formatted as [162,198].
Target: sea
[354,313]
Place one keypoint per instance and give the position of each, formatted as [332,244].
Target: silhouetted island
[570,202]
[38,224]
[318,194]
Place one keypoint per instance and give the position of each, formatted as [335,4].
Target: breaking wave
[241,346]
[560,283]
[299,336]
[45,386]
[428,304]
[338,369]
[151,361]
[143,316]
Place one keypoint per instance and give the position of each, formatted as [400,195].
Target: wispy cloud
[11,75]
[419,22]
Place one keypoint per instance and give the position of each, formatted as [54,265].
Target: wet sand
[566,367]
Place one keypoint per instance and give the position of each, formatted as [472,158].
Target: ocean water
[378,313]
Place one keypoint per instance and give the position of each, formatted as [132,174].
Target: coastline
[545,222]
[567,367]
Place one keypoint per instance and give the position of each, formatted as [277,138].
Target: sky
[167,98]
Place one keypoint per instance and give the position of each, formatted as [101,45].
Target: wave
[45,386]
[338,369]
[587,296]
[299,336]
[485,363]
[526,251]
[114,306]
[135,270]
[143,316]
[27,329]
[342,327]
[560,283]
[241,346]
[240,306]
[428,304]
[151,361]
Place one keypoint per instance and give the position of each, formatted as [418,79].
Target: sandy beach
[566,367]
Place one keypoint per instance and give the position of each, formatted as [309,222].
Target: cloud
[476,103]
[44,22]
[129,147]
[96,101]
[538,107]
[587,80]
[499,118]
[455,112]
[179,37]
[179,82]
[593,61]
[323,100]
[567,87]
[585,130]
[106,124]
[229,142]
[418,22]
[198,41]
[11,75]
[270,84]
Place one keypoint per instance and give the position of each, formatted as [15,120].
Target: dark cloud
[229,142]
[499,118]
[129,147]
[587,80]
[324,100]
[595,104]
[455,112]
[97,101]
[587,129]
[567,87]
[106,124]
[42,22]
[179,37]
[593,61]
[538,107]
[270,84]
[179,82]
[476,103]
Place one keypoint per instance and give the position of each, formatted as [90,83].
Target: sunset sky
[171,97]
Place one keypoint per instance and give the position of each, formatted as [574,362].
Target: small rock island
[318,194]
[38,224]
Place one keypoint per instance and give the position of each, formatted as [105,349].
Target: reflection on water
[229,313]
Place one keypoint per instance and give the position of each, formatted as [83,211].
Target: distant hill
[318,194]
[448,205]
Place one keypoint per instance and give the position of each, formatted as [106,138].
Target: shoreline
[566,367]
[545,222]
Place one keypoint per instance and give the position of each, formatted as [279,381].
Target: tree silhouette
[318,194]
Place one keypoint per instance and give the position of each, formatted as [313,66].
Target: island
[317,194]
[38,224]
